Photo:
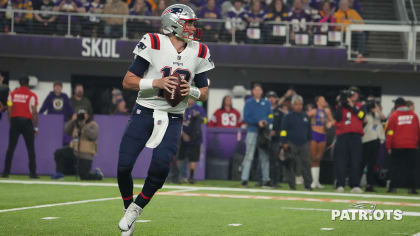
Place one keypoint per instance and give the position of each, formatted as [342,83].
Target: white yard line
[391,196]
[181,193]
[60,204]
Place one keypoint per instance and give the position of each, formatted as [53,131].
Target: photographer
[349,118]
[373,137]
[84,132]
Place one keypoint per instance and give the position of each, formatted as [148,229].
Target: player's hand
[168,83]
[185,88]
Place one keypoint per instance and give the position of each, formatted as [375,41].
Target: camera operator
[349,118]
[84,132]
[374,135]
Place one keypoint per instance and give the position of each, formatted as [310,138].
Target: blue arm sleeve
[139,66]
[200,80]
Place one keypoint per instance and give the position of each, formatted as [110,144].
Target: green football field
[71,207]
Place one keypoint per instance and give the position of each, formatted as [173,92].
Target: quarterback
[154,123]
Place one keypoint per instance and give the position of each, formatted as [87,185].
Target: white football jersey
[164,60]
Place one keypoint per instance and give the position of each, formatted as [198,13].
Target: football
[175,97]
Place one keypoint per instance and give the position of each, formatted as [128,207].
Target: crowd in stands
[248,19]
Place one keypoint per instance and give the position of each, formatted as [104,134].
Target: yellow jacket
[348,17]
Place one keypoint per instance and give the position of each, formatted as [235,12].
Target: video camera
[81,115]
[344,96]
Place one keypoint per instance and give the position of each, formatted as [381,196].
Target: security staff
[22,112]
[349,118]
[402,138]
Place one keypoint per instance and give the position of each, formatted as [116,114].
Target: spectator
[347,16]
[278,13]
[4,18]
[57,102]
[314,12]
[45,22]
[79,102]
[192,139]
[235,22]
[161,6]
[402,139]
[355,5]
[113,26]
[93,24]
[287,97]
[275,165]
[211,29]
[299,17]
[255,18]
[327,16]
[317,4]
[22,21]
[85,133]
[257,115]
[69,6]
[226,116]
[295,135]
[321,119]
[349,117]
[138,27]
[4,93]
[190,4]
[23,117]
[410,105]
[373,136]
[121,108]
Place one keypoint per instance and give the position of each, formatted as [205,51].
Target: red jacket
[22,100]
[350,121]
[225,119]
[403,129]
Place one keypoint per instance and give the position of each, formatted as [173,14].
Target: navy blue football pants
[137,132]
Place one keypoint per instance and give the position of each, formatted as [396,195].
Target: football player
[154,123]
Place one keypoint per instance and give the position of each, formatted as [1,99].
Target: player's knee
[123,171]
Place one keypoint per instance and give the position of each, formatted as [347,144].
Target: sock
[192,174]
[315,175]
[146,194]
[125,183]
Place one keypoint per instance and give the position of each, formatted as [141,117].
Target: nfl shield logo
[159,122]
[179,58]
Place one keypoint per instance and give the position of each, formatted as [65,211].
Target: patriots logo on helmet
[174,10]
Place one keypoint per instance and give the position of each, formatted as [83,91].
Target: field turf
[206,208]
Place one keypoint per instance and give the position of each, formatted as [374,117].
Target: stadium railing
[313,34]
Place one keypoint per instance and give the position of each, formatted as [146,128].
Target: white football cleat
[340,190]
[128,232]
[320,186]
[356,190]
[131,214]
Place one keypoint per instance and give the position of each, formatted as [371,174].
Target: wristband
[195,92]
[145,84]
